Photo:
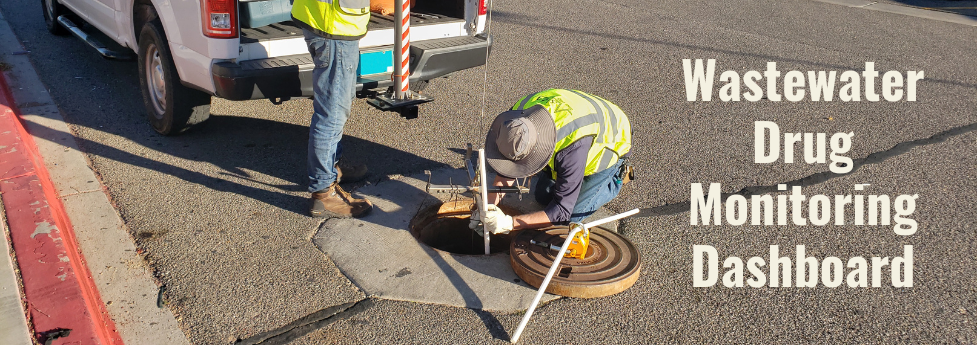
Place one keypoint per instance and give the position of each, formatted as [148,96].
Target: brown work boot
[350,172]
[336,202]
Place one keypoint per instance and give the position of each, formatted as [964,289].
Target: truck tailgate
[290,76]
[285,39]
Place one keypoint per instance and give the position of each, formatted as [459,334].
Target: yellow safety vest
[578,115]
[334,19]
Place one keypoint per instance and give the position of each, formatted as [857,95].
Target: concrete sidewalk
[115,282]
[13,323]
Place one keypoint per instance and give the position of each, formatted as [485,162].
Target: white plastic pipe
[556,264]
[546,282]
[612,218]
[484,191]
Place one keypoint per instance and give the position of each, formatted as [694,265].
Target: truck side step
[93,42]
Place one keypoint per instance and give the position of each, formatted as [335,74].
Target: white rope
[488,35]
[481,119]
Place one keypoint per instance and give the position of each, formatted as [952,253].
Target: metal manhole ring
[444,228]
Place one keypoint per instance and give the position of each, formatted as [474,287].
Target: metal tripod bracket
[399,97]
[406,107]
[473,182]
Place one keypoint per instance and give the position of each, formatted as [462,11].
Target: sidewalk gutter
[80,219]
[59,295]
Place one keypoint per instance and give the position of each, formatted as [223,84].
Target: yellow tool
[581,240]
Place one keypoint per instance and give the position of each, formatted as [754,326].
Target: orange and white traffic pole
[400,98]
[402,50]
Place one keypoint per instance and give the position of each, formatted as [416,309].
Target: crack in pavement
[874,158]
[309,323]
[329,315]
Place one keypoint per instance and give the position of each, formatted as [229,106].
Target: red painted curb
[58,286]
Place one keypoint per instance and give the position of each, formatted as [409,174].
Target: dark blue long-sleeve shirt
[570,165]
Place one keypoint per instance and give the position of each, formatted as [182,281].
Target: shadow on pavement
[257,158]
[491,323]
[245,148]
[397,202]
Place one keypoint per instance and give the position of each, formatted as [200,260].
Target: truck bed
[377,22]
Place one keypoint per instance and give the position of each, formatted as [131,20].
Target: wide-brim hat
[538,156]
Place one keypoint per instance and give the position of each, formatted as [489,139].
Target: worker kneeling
[577,143]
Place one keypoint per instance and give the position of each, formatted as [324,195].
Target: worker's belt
[625,172]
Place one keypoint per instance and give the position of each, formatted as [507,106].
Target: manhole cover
[611,265]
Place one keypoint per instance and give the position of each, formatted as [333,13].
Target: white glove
[496,221]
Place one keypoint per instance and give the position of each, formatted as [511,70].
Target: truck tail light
[481,7]
[219,18]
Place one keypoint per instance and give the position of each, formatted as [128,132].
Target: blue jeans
[334,78]
[597,190]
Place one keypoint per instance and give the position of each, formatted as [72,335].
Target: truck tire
[52,9]
[171,107]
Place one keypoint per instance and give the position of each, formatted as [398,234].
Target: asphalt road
[220,209]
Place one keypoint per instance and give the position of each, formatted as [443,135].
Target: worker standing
[332,31]
[577,142]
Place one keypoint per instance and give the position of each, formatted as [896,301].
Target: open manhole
[444,227]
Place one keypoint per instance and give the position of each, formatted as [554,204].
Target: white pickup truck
[190,50]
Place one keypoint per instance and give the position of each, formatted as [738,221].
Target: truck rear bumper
[291,76]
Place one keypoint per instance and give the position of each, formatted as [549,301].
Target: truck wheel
[52,9]
[172,108]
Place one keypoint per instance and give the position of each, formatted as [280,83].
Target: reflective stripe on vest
[577,115]
[335,19]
